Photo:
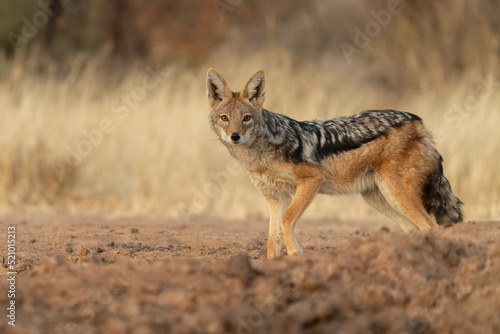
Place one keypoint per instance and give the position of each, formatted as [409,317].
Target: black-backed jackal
[385,155]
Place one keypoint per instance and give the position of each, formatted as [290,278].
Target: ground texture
[94,275]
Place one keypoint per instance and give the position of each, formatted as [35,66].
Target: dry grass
[161,157]
[158,156]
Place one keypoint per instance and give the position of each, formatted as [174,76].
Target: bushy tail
[438,199]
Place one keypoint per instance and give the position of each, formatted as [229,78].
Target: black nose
[235,136]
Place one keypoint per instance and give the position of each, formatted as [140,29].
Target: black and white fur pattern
[312,141]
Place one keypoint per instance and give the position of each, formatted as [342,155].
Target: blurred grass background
[68,66]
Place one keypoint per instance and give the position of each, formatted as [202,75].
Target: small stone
[83,252]
[33,241]
[112,243]
[69,249]
[310,247]
[100,250]
[84,255]
[20,267]
[134,230]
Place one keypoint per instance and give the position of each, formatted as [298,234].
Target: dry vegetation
[155,153]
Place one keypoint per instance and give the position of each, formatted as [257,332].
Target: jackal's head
[235,116]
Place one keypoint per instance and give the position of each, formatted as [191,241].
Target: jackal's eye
[224,118]
[246,118]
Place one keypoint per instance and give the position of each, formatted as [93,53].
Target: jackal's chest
[268,172]
[273,183]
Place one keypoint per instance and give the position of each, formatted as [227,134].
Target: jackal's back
[312,141]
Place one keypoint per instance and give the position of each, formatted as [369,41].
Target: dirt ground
[95,275]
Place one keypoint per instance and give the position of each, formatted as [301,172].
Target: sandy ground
[95,275]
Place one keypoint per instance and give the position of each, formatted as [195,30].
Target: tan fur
[389,171]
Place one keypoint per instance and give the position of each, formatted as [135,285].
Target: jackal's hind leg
[376,200]
[407,201]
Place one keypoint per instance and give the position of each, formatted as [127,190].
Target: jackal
[387,156]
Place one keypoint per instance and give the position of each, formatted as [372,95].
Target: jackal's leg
[375,199]
[277,208]
[406,199]
[307,188]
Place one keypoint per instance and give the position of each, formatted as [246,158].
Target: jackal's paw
[274,252]
[273,248]
[273,255]
[295,250]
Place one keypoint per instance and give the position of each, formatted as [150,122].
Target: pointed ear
[217,88]
[255,89]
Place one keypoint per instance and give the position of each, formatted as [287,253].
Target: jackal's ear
[217,88]
[255,89]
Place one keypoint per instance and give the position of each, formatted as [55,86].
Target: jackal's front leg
[277,209]
[307,188]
